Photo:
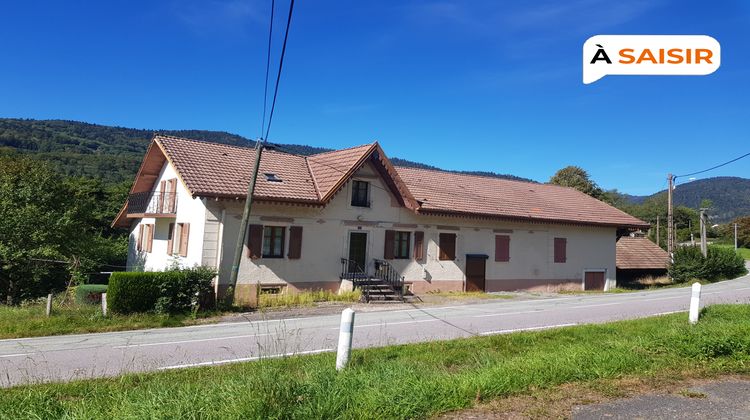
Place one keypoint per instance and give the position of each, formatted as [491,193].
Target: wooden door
[358,250]
[594,280]
[475,273]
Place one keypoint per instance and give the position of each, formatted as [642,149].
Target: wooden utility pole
[735,236]
[657,230]
[670,218]
[704,246]
[245,219]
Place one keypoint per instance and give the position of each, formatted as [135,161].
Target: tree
[576,177]
[743,231]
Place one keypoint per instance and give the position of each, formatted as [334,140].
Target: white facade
[214,226]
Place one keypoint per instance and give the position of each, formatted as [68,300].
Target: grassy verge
[31,320]
[306,298]
[407,381]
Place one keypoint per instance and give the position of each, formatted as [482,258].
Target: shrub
[90,293]
[173,291]
[721,263]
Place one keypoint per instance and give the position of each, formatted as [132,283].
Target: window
[273,242]
[271,177]
[447,244]
[502,248]
[561,245]
[360,194]
[401,242]
[145,238]
[181,231]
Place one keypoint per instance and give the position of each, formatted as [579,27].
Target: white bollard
[49,304]
[695,303]
[345,338]
[104,304]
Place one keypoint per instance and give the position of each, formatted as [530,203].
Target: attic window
[272,177]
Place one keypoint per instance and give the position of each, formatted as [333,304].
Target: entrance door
[475,272]
[358,250]
[593,280]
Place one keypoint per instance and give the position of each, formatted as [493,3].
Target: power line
[713,167]
[268,66]
[281,65]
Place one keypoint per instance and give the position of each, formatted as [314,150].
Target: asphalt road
[63,358]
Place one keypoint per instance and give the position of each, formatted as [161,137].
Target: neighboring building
[314,217]
[638,257]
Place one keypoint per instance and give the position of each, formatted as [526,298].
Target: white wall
[189,210]
[325,241]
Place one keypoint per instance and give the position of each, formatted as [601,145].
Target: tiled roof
[217,170]
[640,254]
[445,192]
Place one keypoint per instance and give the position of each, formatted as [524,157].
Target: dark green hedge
[721,263]
[90,293]
[173,291]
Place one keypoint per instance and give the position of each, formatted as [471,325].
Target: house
[319,222]
[638,257]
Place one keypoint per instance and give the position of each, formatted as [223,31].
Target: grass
[744,252]
[30,320]
[408,381]
[284,300]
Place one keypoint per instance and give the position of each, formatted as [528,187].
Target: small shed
[639,257]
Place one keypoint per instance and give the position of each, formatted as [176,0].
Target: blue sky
[472,85]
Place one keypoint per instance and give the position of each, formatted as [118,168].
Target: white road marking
[245,359]
[15,355]
[189,341]
[667,313]
[598,304]
[509,313]
[544,327]
[387,324]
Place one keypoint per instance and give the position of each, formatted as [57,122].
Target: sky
[463,85]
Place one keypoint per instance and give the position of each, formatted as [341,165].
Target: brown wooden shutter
[170,239]
[419,245]
[172,195]
[255,241]
[184,236]
[390,236]
[502,248]
[139,243]
[161,203]
[295,242]
[560,250]
[447,246]
[149,237]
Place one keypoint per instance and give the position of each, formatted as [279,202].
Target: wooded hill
[114,154]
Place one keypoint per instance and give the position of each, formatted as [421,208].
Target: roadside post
[695,302]
[104,304]
[49,304]
[345,338]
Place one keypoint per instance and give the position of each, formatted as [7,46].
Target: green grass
[744,252]
[407,381]
[71,318]
[306,298]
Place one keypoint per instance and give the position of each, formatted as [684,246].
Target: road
[63,358]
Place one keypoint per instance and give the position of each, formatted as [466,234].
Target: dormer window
[360,194]
[270,177]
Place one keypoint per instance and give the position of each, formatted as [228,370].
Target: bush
[173,291]
[90,293]
[721,263]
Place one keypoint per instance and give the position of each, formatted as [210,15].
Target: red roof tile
[640,254]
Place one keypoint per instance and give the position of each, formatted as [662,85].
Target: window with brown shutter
[447,244]
[418,245]
[172,196]
[150,238]
[502,248]
[170,239]
[295,242]
[255,241]
[139,242]
[162,190]
[184,236]
[389,241]
[560,250]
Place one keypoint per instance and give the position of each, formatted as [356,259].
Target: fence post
[345,338]
[104,304]
[695,302]
[49,304]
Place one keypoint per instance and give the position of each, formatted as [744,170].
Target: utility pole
[735,236]
[657,230]
[245,219]
[670,218]
[704,246]
[690,227]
